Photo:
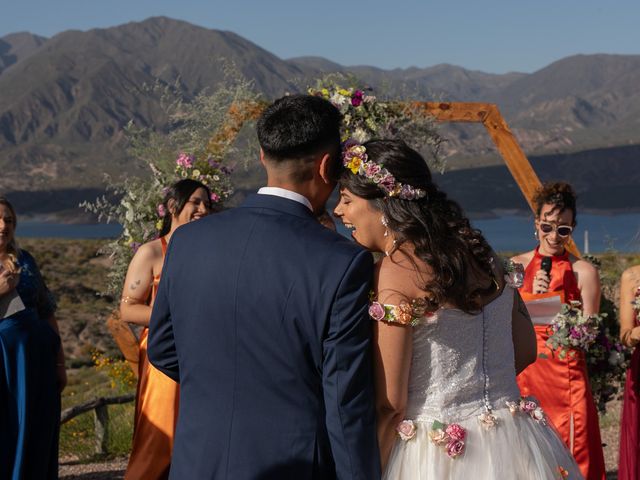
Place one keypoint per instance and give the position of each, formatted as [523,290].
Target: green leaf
[438,425]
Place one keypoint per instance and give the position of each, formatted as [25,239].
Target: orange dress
[562,385]
[155,417]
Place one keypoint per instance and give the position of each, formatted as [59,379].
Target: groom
[261,315]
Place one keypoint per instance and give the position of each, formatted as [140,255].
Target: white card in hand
[544,310]
[10,304]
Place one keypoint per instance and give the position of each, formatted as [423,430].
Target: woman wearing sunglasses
[553,276]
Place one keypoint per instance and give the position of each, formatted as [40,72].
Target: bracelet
[130,300]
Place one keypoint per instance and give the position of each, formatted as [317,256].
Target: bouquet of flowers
[607,363]
[571,329]
[607,359]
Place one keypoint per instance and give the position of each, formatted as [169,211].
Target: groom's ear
[262,157]
[325,169]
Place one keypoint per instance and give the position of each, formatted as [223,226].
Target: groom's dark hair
[296,127]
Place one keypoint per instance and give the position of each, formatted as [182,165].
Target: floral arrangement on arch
[365,116]
[200,137]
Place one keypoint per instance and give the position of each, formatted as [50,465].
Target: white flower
[488,420]
[360,135]
[538,415]
[337,99]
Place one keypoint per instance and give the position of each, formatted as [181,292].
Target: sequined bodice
[447,379]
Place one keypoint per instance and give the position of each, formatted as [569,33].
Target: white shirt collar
[284,193]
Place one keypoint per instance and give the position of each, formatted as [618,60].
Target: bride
[451,332]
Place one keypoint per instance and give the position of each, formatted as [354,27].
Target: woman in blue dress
[32,371]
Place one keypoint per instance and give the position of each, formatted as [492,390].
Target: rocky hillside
[64,100]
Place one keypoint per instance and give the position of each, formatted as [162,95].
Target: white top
[449,355]
[284,193]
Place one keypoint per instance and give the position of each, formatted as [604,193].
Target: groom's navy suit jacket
[261,315]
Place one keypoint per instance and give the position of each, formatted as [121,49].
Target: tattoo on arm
[522,308]
[135,285]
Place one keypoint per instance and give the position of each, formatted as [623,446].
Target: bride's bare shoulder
[399,278]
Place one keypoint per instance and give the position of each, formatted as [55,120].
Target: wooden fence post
[101,423]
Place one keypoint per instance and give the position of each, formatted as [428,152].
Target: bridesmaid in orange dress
[562,385]
[157,395]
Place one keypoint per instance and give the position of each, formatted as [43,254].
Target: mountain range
[65,99]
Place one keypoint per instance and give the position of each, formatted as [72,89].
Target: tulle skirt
[517,447]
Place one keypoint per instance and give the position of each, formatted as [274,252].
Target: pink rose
[438,437]
[215,198]
[376,311]
[371,169]
[406,429]
[528,406]
[455,431]
[356,100]
[455,448]
[161,211]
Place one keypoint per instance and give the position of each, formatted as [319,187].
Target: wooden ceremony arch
[485,113]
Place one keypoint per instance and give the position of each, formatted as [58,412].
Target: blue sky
[489,35]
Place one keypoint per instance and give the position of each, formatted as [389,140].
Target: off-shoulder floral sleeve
[405,313]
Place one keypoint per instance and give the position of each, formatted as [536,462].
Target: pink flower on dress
[455,448]
[488,420]
[376,311]
[439,437]
[406,429]
[404,313]
[455,431]
[539,416]
[527,406]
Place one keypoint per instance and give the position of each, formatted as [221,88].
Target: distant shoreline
[83,218]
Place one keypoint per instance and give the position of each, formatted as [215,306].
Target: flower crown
[354,157]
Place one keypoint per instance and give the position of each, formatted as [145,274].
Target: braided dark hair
[437,227]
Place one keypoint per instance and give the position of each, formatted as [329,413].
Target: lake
[513,233]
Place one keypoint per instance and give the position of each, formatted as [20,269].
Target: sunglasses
[562,230]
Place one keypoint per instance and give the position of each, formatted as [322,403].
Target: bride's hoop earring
[535,234]
[394,245]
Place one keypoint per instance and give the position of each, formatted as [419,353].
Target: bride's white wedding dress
[465,418]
